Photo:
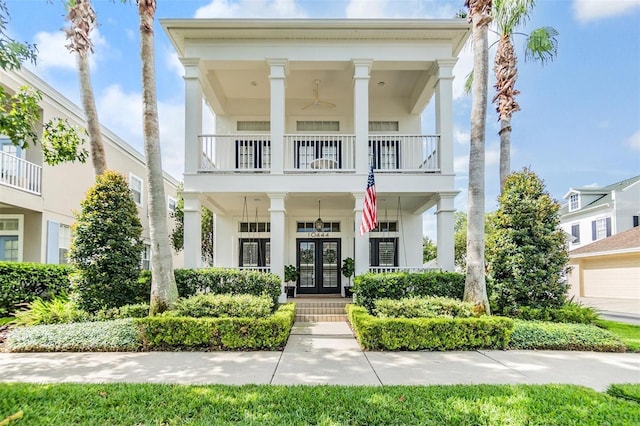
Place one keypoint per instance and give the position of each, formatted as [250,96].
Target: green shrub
[106,246]
[566,337]
[630,391]
[370,287]
[171,333]
[433,334]
[59,310]
[116,335]
[139,310]
[527,253]
[222,281]
[222,306]
[425,307]
[569,312]
[22,283]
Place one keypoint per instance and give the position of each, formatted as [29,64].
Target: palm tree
[475,289]
[541,46]
[82,18]
[164,292]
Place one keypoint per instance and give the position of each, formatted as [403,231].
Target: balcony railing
[320,152]
[20,174]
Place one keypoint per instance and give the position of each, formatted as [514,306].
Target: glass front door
[318,260]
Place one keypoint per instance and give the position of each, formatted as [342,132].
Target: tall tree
[164,291]
[541,46]
[475,290]
[82,18]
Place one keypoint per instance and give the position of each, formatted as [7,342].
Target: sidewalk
[325,353]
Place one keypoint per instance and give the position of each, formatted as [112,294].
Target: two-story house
[302,109]
[37,201]
[593,213]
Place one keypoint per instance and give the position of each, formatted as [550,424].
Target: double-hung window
[135,184]
[574,202]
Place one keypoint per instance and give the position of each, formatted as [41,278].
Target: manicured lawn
[630,391]
[628,333]
[148,404]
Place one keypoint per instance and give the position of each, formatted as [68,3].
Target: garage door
[611,278]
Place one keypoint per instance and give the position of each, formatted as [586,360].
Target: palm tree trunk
[475,290]
[505,150]
[164,292]
[91,114]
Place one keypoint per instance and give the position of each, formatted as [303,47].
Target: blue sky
[580,119]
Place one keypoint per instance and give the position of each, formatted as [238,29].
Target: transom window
[311,227]
[386,226]
[384,126]
[253,126]
[9,224]
[254,227]
[318,126]
[574,202]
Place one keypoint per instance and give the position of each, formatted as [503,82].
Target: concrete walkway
[325,353]
[621,310]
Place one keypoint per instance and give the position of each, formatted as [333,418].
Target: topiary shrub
[22,282]
[106,246]
[423,307]
[222,306]
[370,287]
[527,252]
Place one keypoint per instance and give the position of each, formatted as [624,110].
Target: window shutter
[53,234]
[608,227]
[636,221]
[593,230]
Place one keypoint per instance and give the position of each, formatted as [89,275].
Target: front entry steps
[316,309]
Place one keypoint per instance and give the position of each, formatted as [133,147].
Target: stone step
[323,304]
[310,310]
[321,318]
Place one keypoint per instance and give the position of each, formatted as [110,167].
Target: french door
[318,260]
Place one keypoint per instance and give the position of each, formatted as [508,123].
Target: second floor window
[574,202]
[575,231]
[135,184]
[601,228]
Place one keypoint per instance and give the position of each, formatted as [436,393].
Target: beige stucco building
[37,200]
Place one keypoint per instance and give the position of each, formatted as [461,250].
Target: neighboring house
[302,109]
[608,268]
[592,214]
[37,201]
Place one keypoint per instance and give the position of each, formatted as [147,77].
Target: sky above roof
[580,120]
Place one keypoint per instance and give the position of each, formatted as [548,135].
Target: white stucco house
[37,201]
[302,109]
[593,213]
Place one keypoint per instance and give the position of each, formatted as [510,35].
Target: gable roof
[604,192]
[628,240]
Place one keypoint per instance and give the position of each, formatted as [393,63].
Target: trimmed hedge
[222,306]
[569,312]
[423,307]
[370,287]
[566,337]
[433,334]
[105,336]
[138,310]
[211,334]
[220,281]
[22,282]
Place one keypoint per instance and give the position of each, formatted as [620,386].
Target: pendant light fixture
[319,224]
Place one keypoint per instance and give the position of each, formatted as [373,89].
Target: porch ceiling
[304,203]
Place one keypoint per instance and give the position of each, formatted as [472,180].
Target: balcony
[326,153]
[20,174]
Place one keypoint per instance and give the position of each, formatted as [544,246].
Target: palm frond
[542,45]
[510,14]
[468,82]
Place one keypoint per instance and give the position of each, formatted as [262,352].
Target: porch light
[319,224]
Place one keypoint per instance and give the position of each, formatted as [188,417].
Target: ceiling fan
[316,99]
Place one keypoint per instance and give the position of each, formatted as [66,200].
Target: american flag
[369,212]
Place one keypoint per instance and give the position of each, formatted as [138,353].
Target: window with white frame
[64,242]
[11,237]
[575,232]
[574,202]
[145,257]
[172,204]
[135,184]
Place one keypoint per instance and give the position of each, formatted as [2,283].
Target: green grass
[628,333]
[628,391]
[153,404]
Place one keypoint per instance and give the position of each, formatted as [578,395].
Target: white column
[278,235]
[445,221]
[277,76]
[192,231]
[444,113]
[361,73]
[361,248]
[193,115]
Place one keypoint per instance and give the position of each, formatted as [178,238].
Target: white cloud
[173,63]
[634,141]
[461,137]
[593,10]
[425,9]
[250,8]
[121,112]
[53,54]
